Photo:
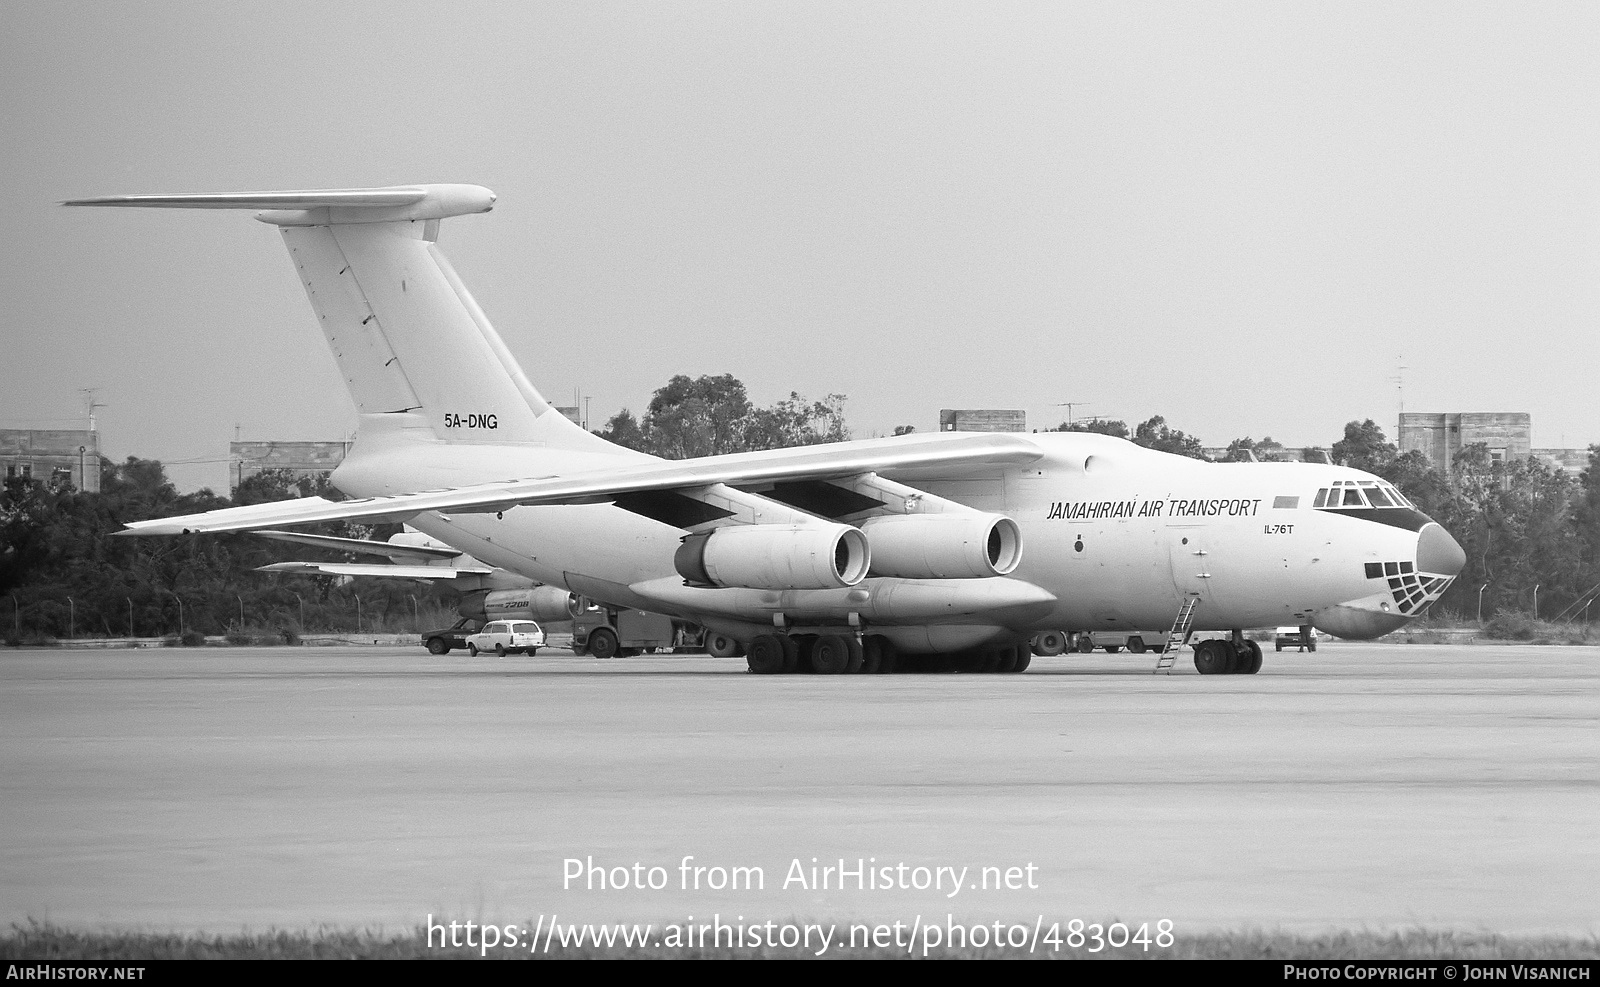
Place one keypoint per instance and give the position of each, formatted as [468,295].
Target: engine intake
[943,546]
[775,556]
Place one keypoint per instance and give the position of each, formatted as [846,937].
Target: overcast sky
[1244,217]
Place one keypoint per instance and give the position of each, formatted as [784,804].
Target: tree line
[1524,525]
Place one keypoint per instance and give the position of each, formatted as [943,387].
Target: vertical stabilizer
[408,337]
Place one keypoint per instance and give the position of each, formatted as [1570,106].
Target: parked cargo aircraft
[939,550]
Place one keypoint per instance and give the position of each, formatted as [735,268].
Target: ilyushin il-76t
[946,550]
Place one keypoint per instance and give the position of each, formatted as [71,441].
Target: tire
[603,643]
[499,651]
[472,649]
[830,655]
[1250,662]
[1136,645]
[858,656]
[531,652]
[1277,646]
[1024,657]
[437,646]
[721,646]
[1009,658]
[1207,659]
[1084,644]
[766,655]
[1112,649]
[1049,643]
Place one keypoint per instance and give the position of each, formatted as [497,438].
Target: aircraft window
[1322,498]
[1379,498]
[1285,502]
[1352,498]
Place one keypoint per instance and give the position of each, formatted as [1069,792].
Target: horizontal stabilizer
[398,552]
[375,569]
[324,206]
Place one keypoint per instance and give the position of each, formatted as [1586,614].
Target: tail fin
[408,337]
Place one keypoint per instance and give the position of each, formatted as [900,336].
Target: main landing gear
[846,654]
[1224,657]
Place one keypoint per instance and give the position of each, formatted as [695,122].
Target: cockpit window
[1379,498]
[1352,498]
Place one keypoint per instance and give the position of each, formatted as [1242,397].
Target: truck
[605,632]
[1058,642]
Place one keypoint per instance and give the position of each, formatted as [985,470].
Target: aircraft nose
[1439,553]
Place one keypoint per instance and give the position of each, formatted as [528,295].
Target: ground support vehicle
[505,637]
[443,640]
[1059,642]
[1299,638]
[606,633]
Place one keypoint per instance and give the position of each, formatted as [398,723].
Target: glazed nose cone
[1439,553]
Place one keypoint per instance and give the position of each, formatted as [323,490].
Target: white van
[502,636]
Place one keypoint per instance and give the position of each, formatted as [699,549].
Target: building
[246,459]
[1508,435]
[1441,436]
[57,456]
[982,420]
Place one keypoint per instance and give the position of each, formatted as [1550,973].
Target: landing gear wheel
[767,655]
[436,646]
[858,657]
[603,642]
[1024,656]
[1009,658]
[791,654]
[871,654]
[1049,643]
[721,646]
[1208,658]
[472,649]
[499,651]
[830,655]
[1250,662]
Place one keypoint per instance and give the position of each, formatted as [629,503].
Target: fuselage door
[1190,558]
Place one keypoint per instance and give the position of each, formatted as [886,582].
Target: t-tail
[415,350]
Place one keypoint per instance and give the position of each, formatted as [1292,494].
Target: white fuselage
[1116,536]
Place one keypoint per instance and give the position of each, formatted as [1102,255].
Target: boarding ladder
[1178,636]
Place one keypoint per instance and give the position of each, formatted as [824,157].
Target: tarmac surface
[1359,787]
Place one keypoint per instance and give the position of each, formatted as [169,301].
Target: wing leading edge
[899,455]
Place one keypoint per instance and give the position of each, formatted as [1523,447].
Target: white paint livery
[974,540]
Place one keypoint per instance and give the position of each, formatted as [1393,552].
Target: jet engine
[775,556]
[943,546]
[539,603]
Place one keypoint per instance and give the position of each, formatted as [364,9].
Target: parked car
[445,639]
[1290,637]
[504,636]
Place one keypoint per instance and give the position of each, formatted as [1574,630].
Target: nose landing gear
[1222,657]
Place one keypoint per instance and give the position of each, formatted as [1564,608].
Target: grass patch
[37,941]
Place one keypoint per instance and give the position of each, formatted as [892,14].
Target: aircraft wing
[939,454]
[409,553]
[374,569]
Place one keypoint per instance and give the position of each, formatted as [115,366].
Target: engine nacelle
[539,603]
[775,556]
[943,546]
